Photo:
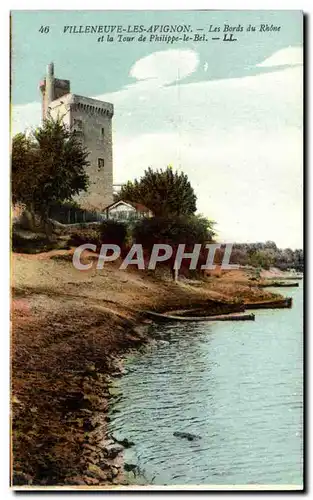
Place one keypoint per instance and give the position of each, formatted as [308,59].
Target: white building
[125,210]
[92,121]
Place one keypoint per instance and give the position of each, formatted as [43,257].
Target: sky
[228,114]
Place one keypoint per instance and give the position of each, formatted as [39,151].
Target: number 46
[44,29]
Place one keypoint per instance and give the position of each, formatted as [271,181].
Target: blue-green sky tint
[102,67]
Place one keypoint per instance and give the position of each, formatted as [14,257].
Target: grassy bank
[70,330]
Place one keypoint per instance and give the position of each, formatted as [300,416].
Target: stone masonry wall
[92,120]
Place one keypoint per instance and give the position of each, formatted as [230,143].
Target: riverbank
[70,330]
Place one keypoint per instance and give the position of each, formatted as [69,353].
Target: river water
[238,385]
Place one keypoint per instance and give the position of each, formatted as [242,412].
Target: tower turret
[49,85]
[52,88]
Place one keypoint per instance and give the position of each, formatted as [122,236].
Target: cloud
[25,116]
[166,66]
[290,56]
[248,181]
[239,140]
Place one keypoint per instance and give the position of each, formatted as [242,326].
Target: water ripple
[237,385]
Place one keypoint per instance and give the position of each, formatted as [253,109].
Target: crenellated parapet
[92,106]
[83,104]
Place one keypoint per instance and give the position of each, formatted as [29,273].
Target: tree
[261,258]
[164,192]
[298,260]
[48,166]
[270,245]
[25,174]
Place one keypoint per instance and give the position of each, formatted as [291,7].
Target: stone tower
[91,120]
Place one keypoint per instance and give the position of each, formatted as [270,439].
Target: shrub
[37,244]
[82,236]
[108,232]
[113,232]
[185,229]
[173,230]
[261,258]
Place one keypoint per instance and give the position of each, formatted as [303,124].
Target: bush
[261,258]
[82,236]
[34,245]
[173,230]
[113,232]
[108,232]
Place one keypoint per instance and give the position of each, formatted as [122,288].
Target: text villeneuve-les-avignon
[162,28]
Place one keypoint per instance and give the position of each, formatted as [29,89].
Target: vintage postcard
[157,249]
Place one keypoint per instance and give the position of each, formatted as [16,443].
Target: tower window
[100,163]
[78,124]
[102,132]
